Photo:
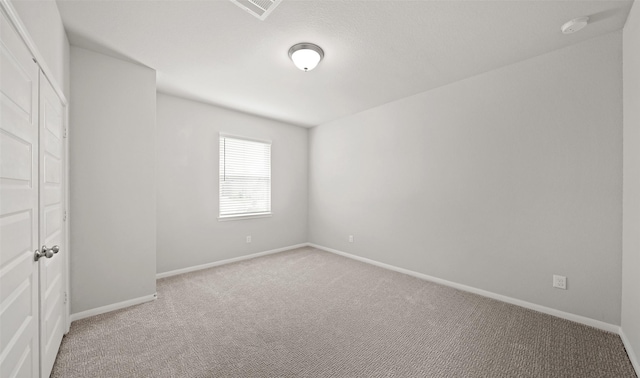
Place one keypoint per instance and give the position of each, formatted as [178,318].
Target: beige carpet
[309,313]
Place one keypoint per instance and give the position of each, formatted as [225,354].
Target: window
[245,177]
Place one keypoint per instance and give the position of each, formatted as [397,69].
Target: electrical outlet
[249,239]
[560,282]
[350,238]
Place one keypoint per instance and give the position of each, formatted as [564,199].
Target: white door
[19,319]
[52,282]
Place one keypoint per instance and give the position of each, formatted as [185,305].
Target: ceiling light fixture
[575,25]
[306,56]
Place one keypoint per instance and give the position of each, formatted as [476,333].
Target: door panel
[19,316]
[52,284]
[17,166]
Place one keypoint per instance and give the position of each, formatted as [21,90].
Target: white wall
[631,186]
[189,232]
[42,20]
[113,185]
[495,182]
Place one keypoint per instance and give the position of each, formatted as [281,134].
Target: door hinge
[65,133]
[65,297]
[64,216]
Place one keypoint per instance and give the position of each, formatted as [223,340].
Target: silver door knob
[55,249]
[46,252]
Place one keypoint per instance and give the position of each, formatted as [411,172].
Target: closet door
[52,280]
[19,319]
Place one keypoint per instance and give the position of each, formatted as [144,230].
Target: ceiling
[375,51]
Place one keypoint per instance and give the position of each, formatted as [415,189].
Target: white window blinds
[245,177]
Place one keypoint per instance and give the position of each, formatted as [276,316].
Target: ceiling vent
[259,8]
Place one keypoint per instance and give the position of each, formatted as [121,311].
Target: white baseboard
[630,352]
[228,261]
[113,307]
[148,298]
[503,298]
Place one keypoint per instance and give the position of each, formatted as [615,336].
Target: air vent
[259,8]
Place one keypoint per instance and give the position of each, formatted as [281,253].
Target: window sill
[245,216]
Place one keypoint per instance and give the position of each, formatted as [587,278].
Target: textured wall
[189,232]
[113,185]
[497,182]
[631,188]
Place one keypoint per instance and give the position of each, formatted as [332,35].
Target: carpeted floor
[309,313]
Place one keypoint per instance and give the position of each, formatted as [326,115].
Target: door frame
[12,15]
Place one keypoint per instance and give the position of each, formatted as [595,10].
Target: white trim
[11,13]
[630,352]
[240,137]
[67,222]
[503,298]
[113,307]
[227,261]
[245,216]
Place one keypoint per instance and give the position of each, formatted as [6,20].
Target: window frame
[223,218]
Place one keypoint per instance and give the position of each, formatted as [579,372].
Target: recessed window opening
[245,177]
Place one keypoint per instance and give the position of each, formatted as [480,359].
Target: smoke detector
[575,25]
[259,8]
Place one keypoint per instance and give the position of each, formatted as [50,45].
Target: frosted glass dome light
[306,56]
